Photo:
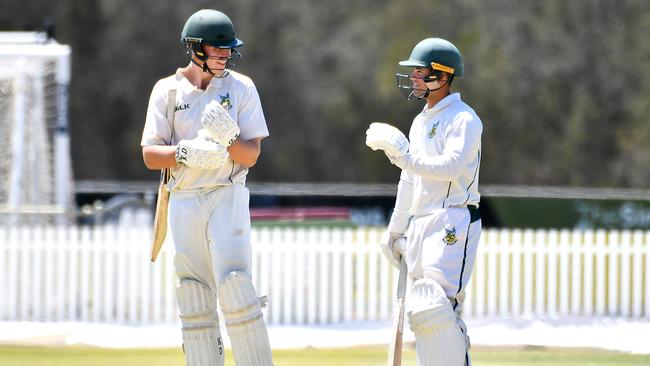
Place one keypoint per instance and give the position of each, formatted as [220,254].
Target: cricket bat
[162,204]
[395,348]
[160,219]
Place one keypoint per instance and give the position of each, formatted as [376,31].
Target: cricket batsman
[436,223]
[206,124]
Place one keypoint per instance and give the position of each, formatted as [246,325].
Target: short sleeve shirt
[236,93]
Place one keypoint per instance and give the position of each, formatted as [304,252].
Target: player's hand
[393,246]
[202,152]
[382,136]
[217,121]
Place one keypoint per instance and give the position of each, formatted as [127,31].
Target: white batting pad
[438,337]
[244,322]
[218,122]
[382,136]
[201,335]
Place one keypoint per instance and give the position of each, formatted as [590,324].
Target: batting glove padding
[393,246]
[217,121]
[201,152]
[382,136]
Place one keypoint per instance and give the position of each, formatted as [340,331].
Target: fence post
[540,272]
[552,306]
[348,275]
[373,239]
[637,275]
[626,254]
[613,288]
[324,251]
[360,259]
[516,240]
[576,272]
[529,291]
[601,279]
[503,249]
[337,249]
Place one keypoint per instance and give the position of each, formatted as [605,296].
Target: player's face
[423,80]
[217,57]
[417,78]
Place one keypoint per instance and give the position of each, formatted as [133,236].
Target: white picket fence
[319,276]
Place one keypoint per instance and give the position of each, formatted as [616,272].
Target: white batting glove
[217,121]
[201,152]
[393,246]
[382,136]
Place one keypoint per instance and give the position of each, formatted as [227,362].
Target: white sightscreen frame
[36,46]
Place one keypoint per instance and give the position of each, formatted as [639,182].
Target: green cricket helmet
[210,27]
[438,54]
[213,28]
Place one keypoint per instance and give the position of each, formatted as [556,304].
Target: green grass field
[362,356]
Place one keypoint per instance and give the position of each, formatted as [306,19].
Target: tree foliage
[563,88]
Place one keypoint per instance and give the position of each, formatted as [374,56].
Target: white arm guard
[399,221]
[219,124]
[382,136]
[201,153]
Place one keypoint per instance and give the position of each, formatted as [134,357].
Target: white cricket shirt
[444,156]
[237,95]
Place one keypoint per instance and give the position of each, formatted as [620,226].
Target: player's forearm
[245,152]
[159,156]
[401,213]
[440,167]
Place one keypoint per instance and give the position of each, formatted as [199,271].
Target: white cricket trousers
[442,247]
[211,230]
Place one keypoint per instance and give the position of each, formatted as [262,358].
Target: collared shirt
[444,156]
[236,93]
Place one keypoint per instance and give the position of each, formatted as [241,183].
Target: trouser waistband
[474,213]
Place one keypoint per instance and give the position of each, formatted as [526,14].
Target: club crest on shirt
[433,130]
[225,101]
[450,235]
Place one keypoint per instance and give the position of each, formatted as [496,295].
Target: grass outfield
[362,356]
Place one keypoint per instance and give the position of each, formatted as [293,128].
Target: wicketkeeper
[210,140]
[435,224]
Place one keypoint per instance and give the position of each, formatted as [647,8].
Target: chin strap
[412,95]
[205,68]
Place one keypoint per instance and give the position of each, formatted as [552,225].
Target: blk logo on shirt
[182,106]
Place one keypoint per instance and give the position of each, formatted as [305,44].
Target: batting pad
[201,335]
[438,337]
[244,322]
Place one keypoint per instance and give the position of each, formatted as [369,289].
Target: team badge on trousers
[450,235]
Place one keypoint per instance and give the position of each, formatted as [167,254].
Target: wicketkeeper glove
[201,152]
[217,121]
[393,246]
[382,136]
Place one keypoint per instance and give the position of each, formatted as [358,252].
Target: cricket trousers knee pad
[197,305]
[242,311]
[439,340]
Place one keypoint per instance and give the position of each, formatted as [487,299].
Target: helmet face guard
[406,84]
[197,50]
